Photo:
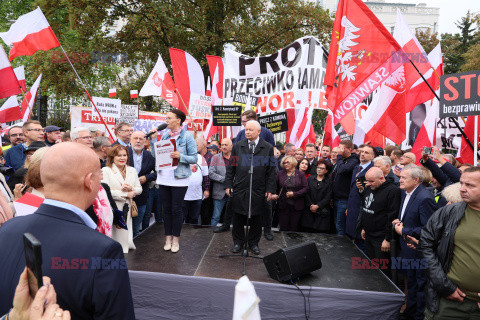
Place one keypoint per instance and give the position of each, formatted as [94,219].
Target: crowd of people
[376,197]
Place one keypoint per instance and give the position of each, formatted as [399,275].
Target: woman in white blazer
[124,185]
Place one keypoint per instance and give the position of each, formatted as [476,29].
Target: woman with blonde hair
[291,190]
[124,186]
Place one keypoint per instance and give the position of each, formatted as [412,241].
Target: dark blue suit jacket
[354,202]
[419,209]
[147,170]
[87,268]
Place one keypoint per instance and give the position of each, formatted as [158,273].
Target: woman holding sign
[173,179]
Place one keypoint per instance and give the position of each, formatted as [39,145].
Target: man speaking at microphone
[237,185]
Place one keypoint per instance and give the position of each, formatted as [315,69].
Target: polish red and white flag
[427,135]
[30,33]
[112,92]
[10,110]
[363,54]
[211,129]
[20,73]
[133,94]
[413,51]
[330,137]
[188,75]
[9,84]
[159,83]
[27,103]
[27,204]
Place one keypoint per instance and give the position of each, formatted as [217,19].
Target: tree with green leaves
[455,46]
[427,39]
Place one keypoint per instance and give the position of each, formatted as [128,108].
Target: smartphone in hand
[33,261]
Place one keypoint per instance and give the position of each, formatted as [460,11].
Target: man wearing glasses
[82,135]
[124,132]
[33,131]
[15,136]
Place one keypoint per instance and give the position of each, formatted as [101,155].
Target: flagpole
[88,94]
[188,112]
[438,98]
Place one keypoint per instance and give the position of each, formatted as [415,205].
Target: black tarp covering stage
[196,284]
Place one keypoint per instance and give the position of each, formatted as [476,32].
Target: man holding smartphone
[88,268]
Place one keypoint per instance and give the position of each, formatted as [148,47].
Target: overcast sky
[450,11]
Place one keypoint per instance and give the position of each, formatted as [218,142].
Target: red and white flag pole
[88,94]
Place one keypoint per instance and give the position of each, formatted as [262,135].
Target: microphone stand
[245,253]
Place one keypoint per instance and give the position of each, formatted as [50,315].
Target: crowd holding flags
[364,60]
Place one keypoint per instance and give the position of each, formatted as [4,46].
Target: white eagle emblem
[368,201]
[345,56]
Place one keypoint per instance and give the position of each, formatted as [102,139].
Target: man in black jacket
[450,244]
[380,203]
[346,163]
[237,185]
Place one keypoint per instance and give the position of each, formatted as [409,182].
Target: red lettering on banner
[262,105]
[454,91]
[88,117]
[468,84]
[279,102]
[288,100]
[322,101]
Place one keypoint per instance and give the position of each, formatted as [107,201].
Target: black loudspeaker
[290,263]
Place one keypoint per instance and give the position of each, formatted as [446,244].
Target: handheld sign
[227,115]
[460,94]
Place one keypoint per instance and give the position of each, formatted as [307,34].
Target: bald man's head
[408,158]
[374,178]
[70,172]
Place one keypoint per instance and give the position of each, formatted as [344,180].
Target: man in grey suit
[217,172]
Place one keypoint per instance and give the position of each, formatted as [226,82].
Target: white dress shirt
[405,203]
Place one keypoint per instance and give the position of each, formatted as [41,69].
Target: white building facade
[418,16]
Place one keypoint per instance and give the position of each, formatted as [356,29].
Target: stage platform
[203,283]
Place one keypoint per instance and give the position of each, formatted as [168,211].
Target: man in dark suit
[123,131]
[237,185]
[417,205]
[366,153]
[143,161]
[311,156]
[87,268]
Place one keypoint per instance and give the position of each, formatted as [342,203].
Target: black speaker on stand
[290,263]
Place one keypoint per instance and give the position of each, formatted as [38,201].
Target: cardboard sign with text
[128,114]
[276,122]
[200,106]
[227,115]
[107,107]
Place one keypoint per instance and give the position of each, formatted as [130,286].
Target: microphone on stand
[161,127]
[252,146]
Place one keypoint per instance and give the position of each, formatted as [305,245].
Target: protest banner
[449,135]
[227,115]
[200,106]
[247,102]
[84,117]
[108,107]
[289,78]
[128,113]
[459,94]
[276,122]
